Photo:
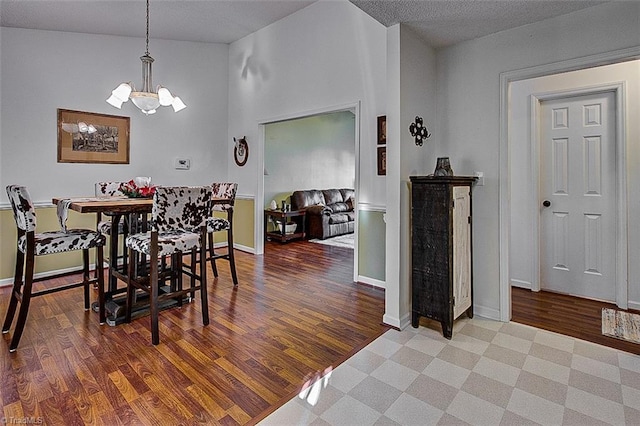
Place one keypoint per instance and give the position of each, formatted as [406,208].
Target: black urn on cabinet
[441,265]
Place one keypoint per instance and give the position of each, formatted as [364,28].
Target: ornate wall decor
[241,151]
[419,131]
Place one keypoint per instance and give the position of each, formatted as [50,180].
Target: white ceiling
[439,22]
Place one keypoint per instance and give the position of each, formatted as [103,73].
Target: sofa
[329,212]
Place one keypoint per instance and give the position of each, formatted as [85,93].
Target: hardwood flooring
[568,315]
[295,313]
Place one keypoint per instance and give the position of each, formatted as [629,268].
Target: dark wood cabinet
[441,265]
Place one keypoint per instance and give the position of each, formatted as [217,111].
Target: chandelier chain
[147,52]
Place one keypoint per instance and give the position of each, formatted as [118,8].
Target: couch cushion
[332,196]
[340,207]
[304,199]
[338,218]
[347,193]
[341,218]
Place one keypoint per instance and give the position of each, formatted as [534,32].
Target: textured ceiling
[439,22]
[446,22]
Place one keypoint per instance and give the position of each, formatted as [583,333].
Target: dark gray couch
[330,212]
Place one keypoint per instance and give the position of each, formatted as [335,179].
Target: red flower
[130,189]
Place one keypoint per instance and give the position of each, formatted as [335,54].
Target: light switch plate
[183,163]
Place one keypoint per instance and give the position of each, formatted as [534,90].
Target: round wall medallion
[241,151]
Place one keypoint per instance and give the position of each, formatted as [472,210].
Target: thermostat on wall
[183,164]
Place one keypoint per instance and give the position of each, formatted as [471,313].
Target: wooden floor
[295,313]
[572,316]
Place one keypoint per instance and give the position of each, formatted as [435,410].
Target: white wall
[524,208]
[328,54]
[468,116]
[412,92]
[42,71]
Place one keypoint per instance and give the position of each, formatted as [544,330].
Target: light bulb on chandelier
[146,100]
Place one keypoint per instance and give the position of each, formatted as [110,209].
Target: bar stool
[177,227]
[128,224]
[225,191]
[30,244]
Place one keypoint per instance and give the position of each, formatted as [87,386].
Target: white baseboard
[485,312]
[372,281]
[240,247]
[405,321]
[245,249]
[521,284]
[6,282]
[400,323]
[633,305]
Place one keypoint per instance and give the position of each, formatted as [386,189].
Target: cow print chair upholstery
[178,227]
[224,195]
[31,244]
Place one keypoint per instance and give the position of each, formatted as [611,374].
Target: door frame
[259,199]
[618,90]
[506,78]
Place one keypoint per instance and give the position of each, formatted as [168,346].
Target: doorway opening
[312,150]
[521,205]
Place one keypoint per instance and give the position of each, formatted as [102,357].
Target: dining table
[119,208]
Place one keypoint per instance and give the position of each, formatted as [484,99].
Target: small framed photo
[87,137]
[382,130]
[382,160]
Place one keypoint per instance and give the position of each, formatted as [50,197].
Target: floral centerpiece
[136,189]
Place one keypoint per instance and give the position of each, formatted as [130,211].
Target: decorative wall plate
[241,151]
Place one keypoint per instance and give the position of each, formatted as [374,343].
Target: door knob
[546,203]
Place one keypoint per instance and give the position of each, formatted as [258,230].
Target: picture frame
[382,130]
[382,160]
[89,137]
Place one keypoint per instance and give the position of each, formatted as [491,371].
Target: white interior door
[578,196]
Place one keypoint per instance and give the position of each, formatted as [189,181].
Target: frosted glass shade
[147,102]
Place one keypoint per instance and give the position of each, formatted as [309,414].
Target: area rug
[346,241]
[621,325]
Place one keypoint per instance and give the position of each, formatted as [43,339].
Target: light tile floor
[490,373]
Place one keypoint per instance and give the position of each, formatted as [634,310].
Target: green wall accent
[47,221]
[371,244]
[243,222]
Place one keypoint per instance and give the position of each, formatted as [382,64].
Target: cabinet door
[461,250]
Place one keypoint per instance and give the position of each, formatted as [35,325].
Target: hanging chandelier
[146,100]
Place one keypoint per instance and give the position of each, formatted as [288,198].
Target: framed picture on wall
[87,137]
[382,130]
[382,160]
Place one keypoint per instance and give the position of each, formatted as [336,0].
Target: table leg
[113,254]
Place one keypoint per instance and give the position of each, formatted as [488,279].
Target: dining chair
[31,244]
[113,189]
[108,189]
[128,223]
[177,227]
[225,191]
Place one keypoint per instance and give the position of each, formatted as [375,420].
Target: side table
[283,217]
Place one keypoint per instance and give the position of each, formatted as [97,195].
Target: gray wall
[46,70]
[468,114]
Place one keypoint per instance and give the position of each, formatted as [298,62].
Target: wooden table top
[108,204]
[114,204]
